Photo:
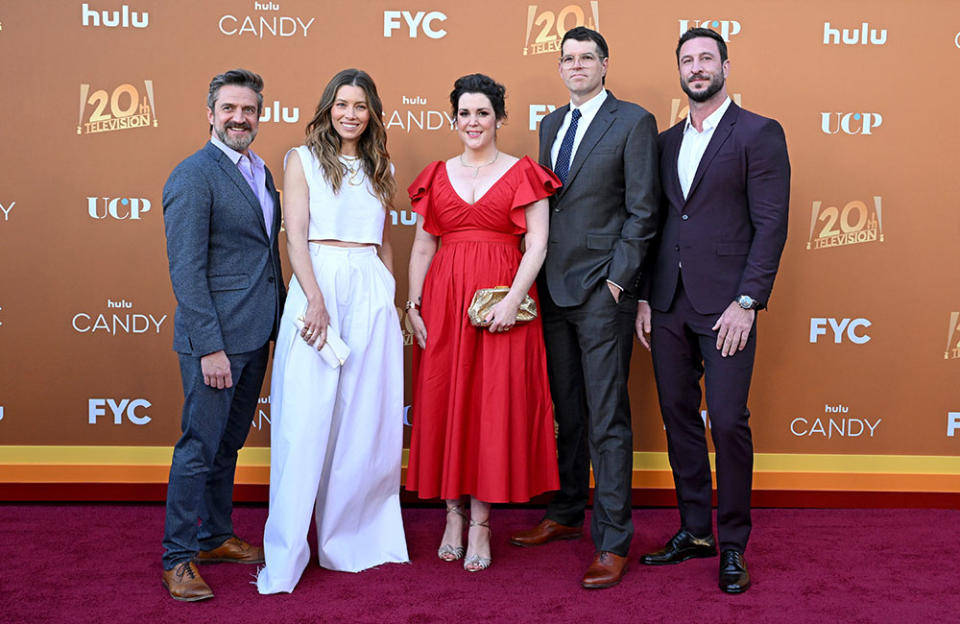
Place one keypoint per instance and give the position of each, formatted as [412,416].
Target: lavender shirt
[254,172]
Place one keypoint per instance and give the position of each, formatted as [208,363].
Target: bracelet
[411,305]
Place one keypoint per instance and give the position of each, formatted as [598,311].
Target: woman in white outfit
[336,434]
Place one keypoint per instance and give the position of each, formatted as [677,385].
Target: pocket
[602,242]
[733,249]
[219,283]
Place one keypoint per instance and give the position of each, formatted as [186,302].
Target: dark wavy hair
[325,143]
[478,83]
[693,33]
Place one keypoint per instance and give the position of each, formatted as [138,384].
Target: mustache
[698,77]
[238,126]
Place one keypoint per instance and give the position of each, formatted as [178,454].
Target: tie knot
[576,114]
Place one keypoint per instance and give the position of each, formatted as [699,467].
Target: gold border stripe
[140,456]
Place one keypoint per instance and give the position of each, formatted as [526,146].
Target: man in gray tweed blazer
[221,212]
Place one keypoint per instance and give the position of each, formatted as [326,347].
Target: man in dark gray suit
[601,223]
[221,211]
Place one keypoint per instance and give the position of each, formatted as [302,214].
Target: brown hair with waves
[325,143]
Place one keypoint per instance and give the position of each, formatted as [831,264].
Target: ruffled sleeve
[421,194]
[533,182]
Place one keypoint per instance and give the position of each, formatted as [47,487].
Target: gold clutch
[485,298]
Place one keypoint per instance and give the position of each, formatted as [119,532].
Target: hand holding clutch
[334,350]
[485,298]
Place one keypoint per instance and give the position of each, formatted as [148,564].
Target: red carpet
[101,563]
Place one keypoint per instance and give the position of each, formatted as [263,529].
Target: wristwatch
[411,305]
[747,302]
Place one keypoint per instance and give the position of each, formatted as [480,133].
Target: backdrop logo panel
[123,108]
[120,410]
[270,25]
[834,423]
[261,418]
[122,18]
[415,22]
[726,28]
[547,26]
[953,338]
[537,113]
[953,423]
[116,322]
[853,224]
[414,114]
[679,110]
[120,208]
[843,330]
[7,209]
[850,123]
[863,35]
[274,113]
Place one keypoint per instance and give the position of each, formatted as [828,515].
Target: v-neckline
[446,174]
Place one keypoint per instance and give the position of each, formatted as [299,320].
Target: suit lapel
[548,136]
[720,135]
[233,172]
[598,127]
[671,157]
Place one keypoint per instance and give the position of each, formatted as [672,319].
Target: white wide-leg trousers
[337,434]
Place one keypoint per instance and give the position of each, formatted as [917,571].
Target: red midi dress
[482,414]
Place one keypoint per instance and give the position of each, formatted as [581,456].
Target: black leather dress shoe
[734,578]
[682,546]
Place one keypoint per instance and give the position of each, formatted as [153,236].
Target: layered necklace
[354,168]
[476,168]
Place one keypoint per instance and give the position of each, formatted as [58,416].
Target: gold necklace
[352,164]
[476,168]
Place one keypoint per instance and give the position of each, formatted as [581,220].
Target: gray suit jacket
[604,217]
[225,271]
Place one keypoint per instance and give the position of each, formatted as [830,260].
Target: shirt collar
[591,106]
[233,154]
[712,120]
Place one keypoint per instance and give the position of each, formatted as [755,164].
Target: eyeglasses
[584,60]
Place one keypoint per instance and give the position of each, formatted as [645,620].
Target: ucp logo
[850,123]
[121,208]
[726,28]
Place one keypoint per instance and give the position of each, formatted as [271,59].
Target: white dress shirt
[694,144]
[588,110]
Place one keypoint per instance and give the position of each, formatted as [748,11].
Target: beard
[713,87]
[238,144]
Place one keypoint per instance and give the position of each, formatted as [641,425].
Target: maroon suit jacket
[729,233]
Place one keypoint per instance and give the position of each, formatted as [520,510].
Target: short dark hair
[240,78]
[485,85]
[582,33]
[693,33]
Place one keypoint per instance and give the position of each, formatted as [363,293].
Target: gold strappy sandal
[449,552]
[476,563]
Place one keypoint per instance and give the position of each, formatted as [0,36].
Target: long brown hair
[325,143]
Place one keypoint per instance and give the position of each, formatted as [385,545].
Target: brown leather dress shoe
[546,531]
[184,582]
[606,571]
[234,550]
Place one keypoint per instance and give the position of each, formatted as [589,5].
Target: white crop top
[354,215]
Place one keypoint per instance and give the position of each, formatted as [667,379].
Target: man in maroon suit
[726,186]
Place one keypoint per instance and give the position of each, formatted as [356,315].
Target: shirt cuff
[613,283]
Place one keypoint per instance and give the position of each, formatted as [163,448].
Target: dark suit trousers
[588,362]
[684,350]
[215,424]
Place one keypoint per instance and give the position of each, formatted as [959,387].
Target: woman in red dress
[482,414]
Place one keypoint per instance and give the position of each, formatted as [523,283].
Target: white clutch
[334,351]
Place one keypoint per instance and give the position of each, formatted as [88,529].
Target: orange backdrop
[859,355]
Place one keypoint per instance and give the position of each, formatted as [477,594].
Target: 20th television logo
[855,223]
[123,108]
[550,26]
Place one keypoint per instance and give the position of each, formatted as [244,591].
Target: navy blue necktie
[562,166]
